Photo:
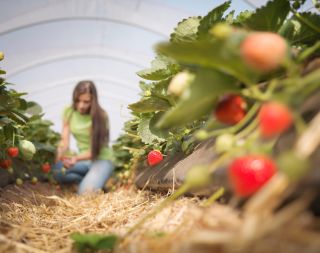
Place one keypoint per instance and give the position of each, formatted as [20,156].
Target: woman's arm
[64,143]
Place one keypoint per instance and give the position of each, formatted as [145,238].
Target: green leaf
[200,99]
[186,30]
[8,131]
[151,104]
[2,72]
[269,17]
[147,131]
[33,108]
[302,29]
[221,55]
[162,67]
[85,242]
[242,17]
[22,104]
[212,18]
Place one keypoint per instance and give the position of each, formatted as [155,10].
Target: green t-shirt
[80,126]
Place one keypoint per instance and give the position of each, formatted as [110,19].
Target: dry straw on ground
[40,219]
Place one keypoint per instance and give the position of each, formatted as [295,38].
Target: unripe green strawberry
[231,109]
[27,149]
[274,118]
[221,31]
[292,165]
[201,135]
[263,51]
[19,181]
[247,174]
[180,82]
[154,157]
[34,180]
[225,142]
[10,170]
[198,176]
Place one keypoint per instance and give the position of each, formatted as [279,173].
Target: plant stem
[238,126]
[303,20]
[217,194]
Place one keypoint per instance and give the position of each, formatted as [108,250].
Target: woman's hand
[69,161]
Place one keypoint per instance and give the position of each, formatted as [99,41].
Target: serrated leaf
[302,29]
[151,104]
[269,17]
[85,242]
[221,55]
[147,131]
[229,17]
[186,30]
[212,18]
[199,99]
[161,67]
[242,17]
[33,108]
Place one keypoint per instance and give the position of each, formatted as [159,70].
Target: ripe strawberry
[263,51]
[46,167]
[249,173]
[274,118]
[231,109]
[154,157]
[5,164]
[13,151]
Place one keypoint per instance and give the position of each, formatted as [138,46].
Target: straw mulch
[40,219]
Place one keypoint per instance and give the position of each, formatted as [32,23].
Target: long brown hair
[100,122]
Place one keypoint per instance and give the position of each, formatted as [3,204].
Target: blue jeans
[89,175]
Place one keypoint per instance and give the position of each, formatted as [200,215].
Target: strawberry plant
[232,67]
[259,57]
[26,140]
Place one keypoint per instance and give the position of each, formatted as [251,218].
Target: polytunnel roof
[50,45]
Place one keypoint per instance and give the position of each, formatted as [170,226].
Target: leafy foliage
[186,31]
[269,17]
[212,18]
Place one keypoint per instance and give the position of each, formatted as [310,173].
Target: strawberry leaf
[151,104]
[147,131]
[199,99]
[269,17]
[212,18]
[186,30]
[302,29]
[242,17]
[85,242]
[221,55]
[162,67]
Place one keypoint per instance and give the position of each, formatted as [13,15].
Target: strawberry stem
[216,195]
[253,110]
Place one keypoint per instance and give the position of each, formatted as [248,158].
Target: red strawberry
[274,118]
[5,164]
[46,167]
[231,109]
[13,151]
[154,157]
[263,51]
[249,173]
